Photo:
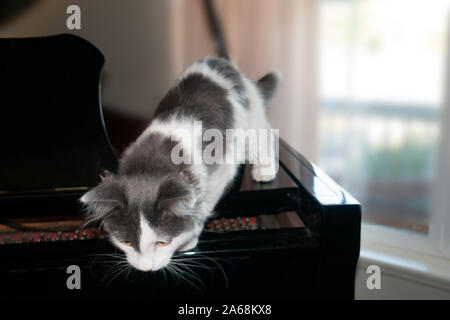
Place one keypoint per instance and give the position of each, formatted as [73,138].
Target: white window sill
[405,268]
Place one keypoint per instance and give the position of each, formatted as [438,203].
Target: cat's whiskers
[191,272]
[193,264]
[118,271]
[199,257]
[198,262]
[118,265]
[163,270]
[183,275]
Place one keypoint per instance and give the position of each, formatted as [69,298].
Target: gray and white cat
[154,207]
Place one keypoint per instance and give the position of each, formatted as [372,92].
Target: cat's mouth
[147,265]
[144,268]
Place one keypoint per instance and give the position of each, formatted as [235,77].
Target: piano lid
[52,132]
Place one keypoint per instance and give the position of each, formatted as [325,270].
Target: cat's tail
[268,84]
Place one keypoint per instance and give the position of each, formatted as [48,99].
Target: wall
[148,43]
[134,39]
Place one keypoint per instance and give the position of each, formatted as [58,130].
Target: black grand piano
[294,238]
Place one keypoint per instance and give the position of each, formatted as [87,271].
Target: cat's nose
[146,264]
[141,264]
[143,267]
[146,269]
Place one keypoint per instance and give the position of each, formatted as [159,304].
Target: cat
[153,207]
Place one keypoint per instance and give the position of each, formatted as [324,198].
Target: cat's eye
[163,243]
[126,243]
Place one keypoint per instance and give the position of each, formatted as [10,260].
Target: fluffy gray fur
[174,200]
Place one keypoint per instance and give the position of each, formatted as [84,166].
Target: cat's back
[211,90]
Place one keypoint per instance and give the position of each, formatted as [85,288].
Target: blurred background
[363,91]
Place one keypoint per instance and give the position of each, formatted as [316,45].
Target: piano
[295,238]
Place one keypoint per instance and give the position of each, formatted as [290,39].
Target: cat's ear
[176,192]
[268,84]
[102,199]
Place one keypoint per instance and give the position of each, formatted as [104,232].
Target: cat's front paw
[262,173]
[189,246]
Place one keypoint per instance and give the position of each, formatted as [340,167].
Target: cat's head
[148,219]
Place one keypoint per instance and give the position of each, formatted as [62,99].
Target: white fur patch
[148,236]
[144,259]
[206,71]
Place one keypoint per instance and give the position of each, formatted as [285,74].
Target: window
[382,74]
